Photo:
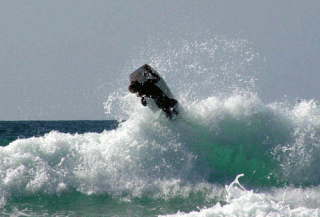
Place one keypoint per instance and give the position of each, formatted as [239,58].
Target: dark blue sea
[227,153]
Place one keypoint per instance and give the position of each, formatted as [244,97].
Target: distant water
[226,154]
[12,130]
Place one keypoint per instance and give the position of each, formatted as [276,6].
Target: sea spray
[299,158]
[194,69]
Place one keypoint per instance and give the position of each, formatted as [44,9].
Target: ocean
[227,153]
[231,157]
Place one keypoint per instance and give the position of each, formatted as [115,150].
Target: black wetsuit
[149,89]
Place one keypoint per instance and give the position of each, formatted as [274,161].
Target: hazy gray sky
[57,57]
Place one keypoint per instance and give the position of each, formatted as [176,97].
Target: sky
[59,57]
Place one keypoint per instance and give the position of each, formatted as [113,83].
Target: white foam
[299,158]
[141,157]
[242,202]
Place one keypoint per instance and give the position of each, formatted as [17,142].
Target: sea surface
[230,157]
[227,153]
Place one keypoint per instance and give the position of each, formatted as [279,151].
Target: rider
[149,89]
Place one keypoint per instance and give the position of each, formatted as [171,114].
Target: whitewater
[227,153]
